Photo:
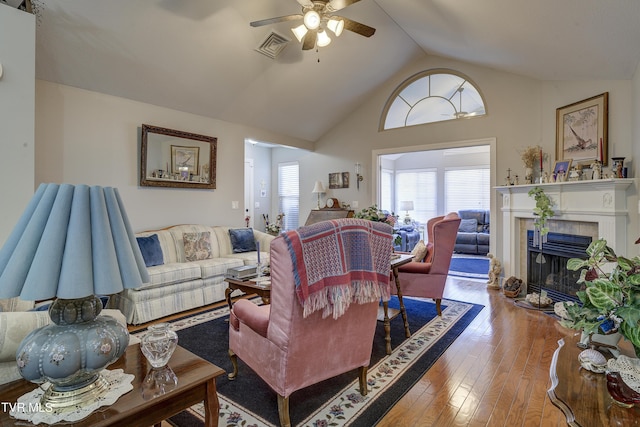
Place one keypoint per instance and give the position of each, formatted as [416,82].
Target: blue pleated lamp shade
[71,242]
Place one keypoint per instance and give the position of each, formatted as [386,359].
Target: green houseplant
[372,213]
[610,300]
[542,211]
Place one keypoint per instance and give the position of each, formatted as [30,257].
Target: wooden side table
[263,290]
[581,394]
[196,383]
[386,313]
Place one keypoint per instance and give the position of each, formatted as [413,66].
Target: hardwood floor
[495,374]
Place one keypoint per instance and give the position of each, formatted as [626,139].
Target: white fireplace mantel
[602,201]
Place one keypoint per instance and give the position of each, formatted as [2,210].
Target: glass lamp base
[71,399]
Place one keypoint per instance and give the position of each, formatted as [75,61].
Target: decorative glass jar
[159,344]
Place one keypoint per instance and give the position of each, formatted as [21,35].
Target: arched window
[432,96]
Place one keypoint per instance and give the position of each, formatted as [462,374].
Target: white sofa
[15,325]
[177,284]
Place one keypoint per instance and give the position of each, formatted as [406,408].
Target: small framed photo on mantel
[581,130]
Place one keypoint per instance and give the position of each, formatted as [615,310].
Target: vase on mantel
[159,344]
[528,175]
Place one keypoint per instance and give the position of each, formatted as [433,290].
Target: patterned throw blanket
[338,262]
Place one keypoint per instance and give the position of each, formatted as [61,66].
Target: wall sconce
[358,176]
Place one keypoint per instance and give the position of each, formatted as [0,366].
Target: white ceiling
[198,55]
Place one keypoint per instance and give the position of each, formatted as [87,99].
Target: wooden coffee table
[196,383]
[582,395]
[263,290]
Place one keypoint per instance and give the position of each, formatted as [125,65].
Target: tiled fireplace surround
[596,208]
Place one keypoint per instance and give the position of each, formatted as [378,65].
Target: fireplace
[595,208]
[547,267]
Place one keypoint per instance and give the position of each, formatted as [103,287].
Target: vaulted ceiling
[199,56]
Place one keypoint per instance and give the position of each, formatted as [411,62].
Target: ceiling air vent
[273,45]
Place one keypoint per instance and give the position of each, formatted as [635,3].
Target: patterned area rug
[475,267]
[248,401]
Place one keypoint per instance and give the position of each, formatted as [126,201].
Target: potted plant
[529,156]
[610,300]
[372,213]
[542,211]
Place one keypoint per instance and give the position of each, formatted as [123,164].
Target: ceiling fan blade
[309,40]
[357,27]
[336,5]
[305,3]
[275,20]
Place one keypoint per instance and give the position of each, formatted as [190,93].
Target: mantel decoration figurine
[495,268]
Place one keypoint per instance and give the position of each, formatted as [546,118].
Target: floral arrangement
[610,301]
[372,213]
[530,155]
[273,227]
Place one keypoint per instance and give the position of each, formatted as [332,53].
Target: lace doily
[629,369]
[29,408]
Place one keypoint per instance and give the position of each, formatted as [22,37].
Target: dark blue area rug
[468,266]
[248,401]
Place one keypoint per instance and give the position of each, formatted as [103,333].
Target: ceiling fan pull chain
[318,52]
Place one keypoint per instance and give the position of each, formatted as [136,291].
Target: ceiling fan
[318,16]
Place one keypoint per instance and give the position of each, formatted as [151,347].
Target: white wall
[520,112]
[261,157]
[17,111]
[92,138]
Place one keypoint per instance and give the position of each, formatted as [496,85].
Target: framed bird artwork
[581,130]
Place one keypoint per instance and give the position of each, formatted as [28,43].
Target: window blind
[289,194]
[466,189]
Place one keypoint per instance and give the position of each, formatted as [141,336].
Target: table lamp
[71,243]
[319,189]
[406,205]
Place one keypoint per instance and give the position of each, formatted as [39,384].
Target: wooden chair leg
[234,361]
[438,307]
[283,411]
[362,374]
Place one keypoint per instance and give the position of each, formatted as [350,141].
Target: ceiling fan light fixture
[336,25]
[311,19]
[323,39]
[300,31]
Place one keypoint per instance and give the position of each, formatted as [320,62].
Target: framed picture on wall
[339,180]
[581,130]
[184,157]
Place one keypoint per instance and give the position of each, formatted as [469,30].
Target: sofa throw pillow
[419,251]
[242,240]
[197,246]
[468,225]
[151,251]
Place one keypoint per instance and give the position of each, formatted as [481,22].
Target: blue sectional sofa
[473,233]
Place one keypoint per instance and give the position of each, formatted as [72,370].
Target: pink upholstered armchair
[290,351]
[427,278]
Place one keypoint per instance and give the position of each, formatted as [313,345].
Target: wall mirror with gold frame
[173,158]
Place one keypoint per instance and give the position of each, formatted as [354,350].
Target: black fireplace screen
[547,267]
